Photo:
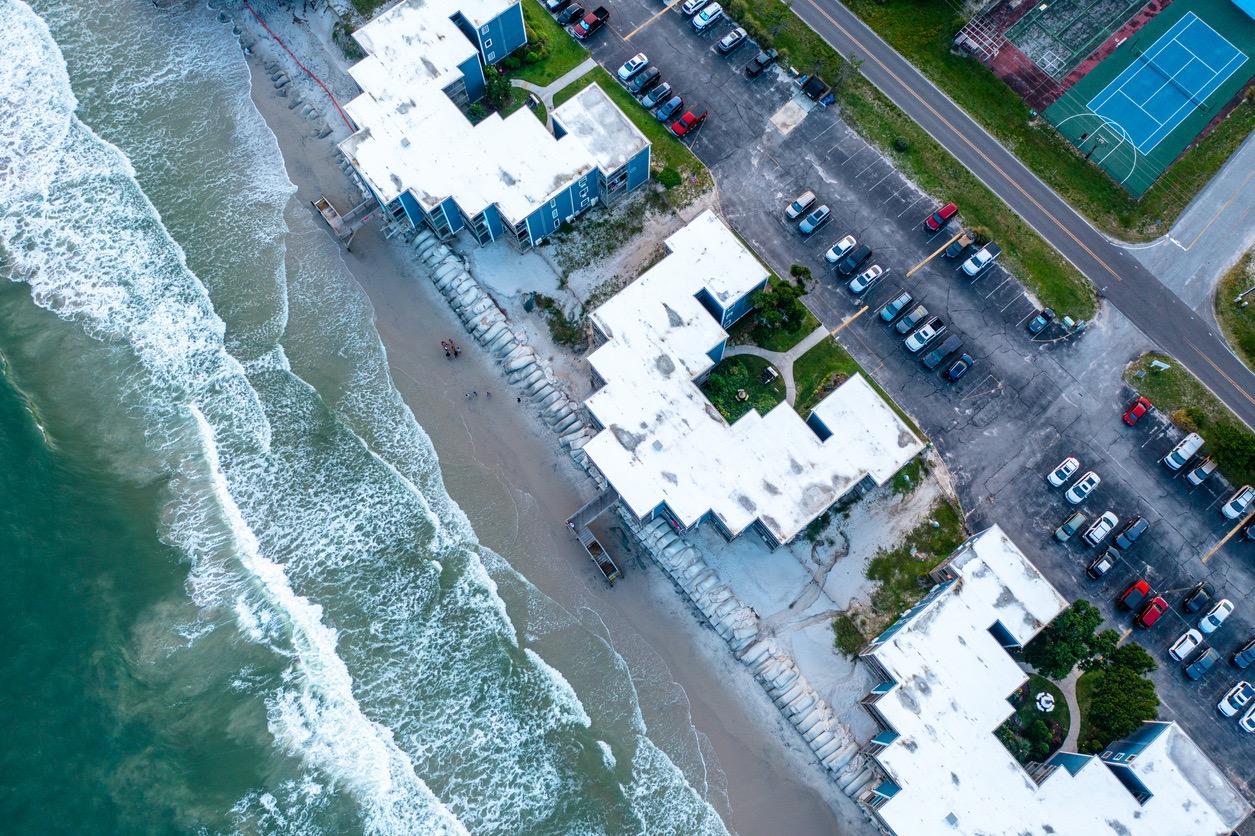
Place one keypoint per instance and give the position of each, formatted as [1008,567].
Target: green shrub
[669,178]
[901,145]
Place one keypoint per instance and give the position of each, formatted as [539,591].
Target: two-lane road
[1120,278]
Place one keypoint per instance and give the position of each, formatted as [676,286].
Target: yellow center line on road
[1221,372]
[871,55]
[855,316]
[938,252]
[665,9]
[1212,551]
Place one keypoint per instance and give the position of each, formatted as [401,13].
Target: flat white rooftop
[665,442]
[412,136]
[954,678]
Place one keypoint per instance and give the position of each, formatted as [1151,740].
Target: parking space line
[849,319]
[1000,285]
[1228,537]
[911,204]
[665,9]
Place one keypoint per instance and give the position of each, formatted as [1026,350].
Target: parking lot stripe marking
[1228,537]
[910,205]
[935,253]
[665,9]
[998,287]
[852,317]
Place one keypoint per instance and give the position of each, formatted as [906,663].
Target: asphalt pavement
[1119,277]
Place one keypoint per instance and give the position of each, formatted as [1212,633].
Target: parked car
[1070,526]
[1215,617]
[1244,656]
[958,368]
[687,123]
[569,14]
[692,7]
[854,260]
[840,249]
[1063,471]
[1101,528]
[1082,488]
[815,220]
[555,6]
[1039,321]
[1100,565]
[937,355]
[1238,697]
[866,279]
[1128,535]
[958,245]
[1152,612]
[644,81]
[1247,723]
[590,23]
[932,328]
[800,205]
[982,258]
[1198,597]
[1136,410]
[1239,502]
[1185,645]
[656,96]
[1248,531]
[1182,452]
[913,318]
[815,88]
[707,17]
[895,306]
[729,42]
[941,217]
[1206,660]
[669,108]
[1200,473]
[760,62]
[632,66]
[1133,597]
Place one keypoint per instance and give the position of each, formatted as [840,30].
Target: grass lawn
[923,32]
[825,367]
[743,371]
[1084,695]
[1191,406]
[750,330]
[1238,323]
[902,572]
[667,153]
[1055,282]
[565,53]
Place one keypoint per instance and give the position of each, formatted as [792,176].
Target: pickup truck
[960,244]
[982,259]
[591,22]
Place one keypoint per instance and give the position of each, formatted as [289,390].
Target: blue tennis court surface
[1168,82]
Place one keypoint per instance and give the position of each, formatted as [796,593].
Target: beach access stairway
[831,743]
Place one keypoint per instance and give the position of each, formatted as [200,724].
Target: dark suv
[1129,534]
[1199,597]
[854,260]
[1244,656]
[760,62]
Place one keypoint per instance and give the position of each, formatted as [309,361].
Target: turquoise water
[239,598]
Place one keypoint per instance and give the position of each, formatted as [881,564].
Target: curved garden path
[783,360]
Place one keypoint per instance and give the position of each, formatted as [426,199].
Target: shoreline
[516,486]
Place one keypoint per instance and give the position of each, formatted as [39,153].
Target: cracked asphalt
[1025,404]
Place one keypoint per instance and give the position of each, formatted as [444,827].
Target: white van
[706,17]
[1183,452]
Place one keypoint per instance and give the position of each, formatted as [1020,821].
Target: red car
[1151,612]
[1136,410]
[938,219]
[1133,597]
[686,123]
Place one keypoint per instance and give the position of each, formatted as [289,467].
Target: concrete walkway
[783,360]
[1068,687]
[546,93]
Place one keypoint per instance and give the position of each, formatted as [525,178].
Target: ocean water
[238,596]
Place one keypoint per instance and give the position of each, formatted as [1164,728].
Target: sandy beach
[517,487]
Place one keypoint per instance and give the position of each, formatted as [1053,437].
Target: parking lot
[1026,403]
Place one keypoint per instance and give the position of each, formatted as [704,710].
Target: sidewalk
[546,93]
[783,360]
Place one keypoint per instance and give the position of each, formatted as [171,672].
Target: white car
[1247,723]
[1215,616]
[799,205]
[706,17]
[1064,471]
[924,334]
[840,249]
[1237,698]
[866,279]
[1185,645]
[1101,528]
[1082,488]
[1239,502]
[632,66]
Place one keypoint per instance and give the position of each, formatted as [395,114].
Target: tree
[780,306]
[1122,700]
[1016,745]
[497,90]
[1131,657]
[1039,738]
[1067,640]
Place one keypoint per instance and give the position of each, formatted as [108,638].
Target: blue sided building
[428,165]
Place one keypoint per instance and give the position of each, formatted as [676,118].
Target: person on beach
[445,346]
[456,351]
[488,395]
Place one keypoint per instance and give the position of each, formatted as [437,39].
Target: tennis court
[1142,106]
[1167,82]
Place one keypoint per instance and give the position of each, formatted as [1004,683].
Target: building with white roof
[425,162]
[946,676]
[667,450]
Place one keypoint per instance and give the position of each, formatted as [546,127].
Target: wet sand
[517,488]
